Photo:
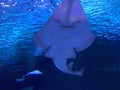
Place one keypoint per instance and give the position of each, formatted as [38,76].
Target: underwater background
[20,19]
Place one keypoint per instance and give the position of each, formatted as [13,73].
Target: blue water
[20,19]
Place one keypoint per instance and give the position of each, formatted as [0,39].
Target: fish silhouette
[66,32]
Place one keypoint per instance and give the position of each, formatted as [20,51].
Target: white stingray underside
[67,29]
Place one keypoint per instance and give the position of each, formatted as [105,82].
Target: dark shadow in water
[102,72]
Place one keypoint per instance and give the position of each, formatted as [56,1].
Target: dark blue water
[20,19]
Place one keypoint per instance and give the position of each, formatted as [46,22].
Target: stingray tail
[61,64]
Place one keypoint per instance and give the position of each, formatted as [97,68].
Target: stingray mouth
[69,25]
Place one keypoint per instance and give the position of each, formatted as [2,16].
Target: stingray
[66,32]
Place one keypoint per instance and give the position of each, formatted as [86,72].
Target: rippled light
[8,5]
[4,4]
[42,0]
[15,4]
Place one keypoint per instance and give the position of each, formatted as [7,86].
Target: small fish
[35,72]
